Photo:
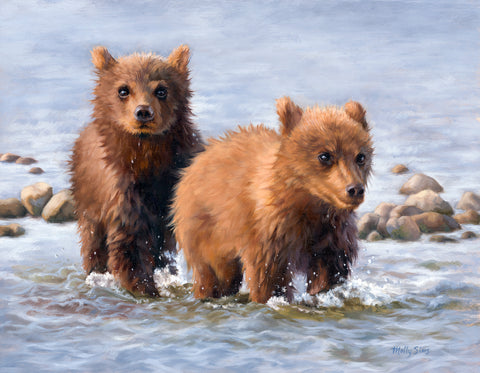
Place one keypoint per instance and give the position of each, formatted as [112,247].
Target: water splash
[105,280]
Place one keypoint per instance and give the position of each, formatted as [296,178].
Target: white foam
[277,302]
[164,280]
[105,280]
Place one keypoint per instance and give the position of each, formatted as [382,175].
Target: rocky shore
[423,212]
[37,200]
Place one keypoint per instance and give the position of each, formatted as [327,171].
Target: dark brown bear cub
[126,161]
[272,205]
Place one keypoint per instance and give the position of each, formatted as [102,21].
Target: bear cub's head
[327,151]
[142,94]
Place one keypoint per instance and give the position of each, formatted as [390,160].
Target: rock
[11,230]
[382,227]
[405,210]
[9,157]
[36,171]
[469,201]
[60,208]
[11,208]
[17,229]
[374,236]
[367,224]
[428,200]
[403,229]
[468,217]
[429,222]
[384,209]
[35,197]
[400,169]
[468,235]
[5,231]
[442,239]
[419,182]
[26,160]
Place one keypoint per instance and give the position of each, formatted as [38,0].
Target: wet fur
[262,203]
[123,170]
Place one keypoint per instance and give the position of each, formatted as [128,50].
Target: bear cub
[126,161]
[273,205]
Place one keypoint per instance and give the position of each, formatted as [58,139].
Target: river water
[408,306]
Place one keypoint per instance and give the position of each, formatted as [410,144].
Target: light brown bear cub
[126,161]
[273,204]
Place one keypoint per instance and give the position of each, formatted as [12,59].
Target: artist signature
[410,351]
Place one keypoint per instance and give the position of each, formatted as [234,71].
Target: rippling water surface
[408,306]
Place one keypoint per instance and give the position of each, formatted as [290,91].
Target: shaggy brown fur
[125,163]
[275,204]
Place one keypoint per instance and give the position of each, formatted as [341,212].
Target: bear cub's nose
[144,113]
[355,190]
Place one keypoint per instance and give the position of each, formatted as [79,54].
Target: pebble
[468,235]
[11,230]
[25,160]
[400,169]
[442,239]
[36,171]
[9,157]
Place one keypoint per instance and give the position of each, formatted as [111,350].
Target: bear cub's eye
[325,158]
[161,93]
[123,92]
[361,159]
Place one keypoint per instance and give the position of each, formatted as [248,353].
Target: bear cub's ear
[102,59]
[289,114]
[356,111]
[179,59]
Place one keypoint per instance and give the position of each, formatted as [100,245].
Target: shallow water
[408,306]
